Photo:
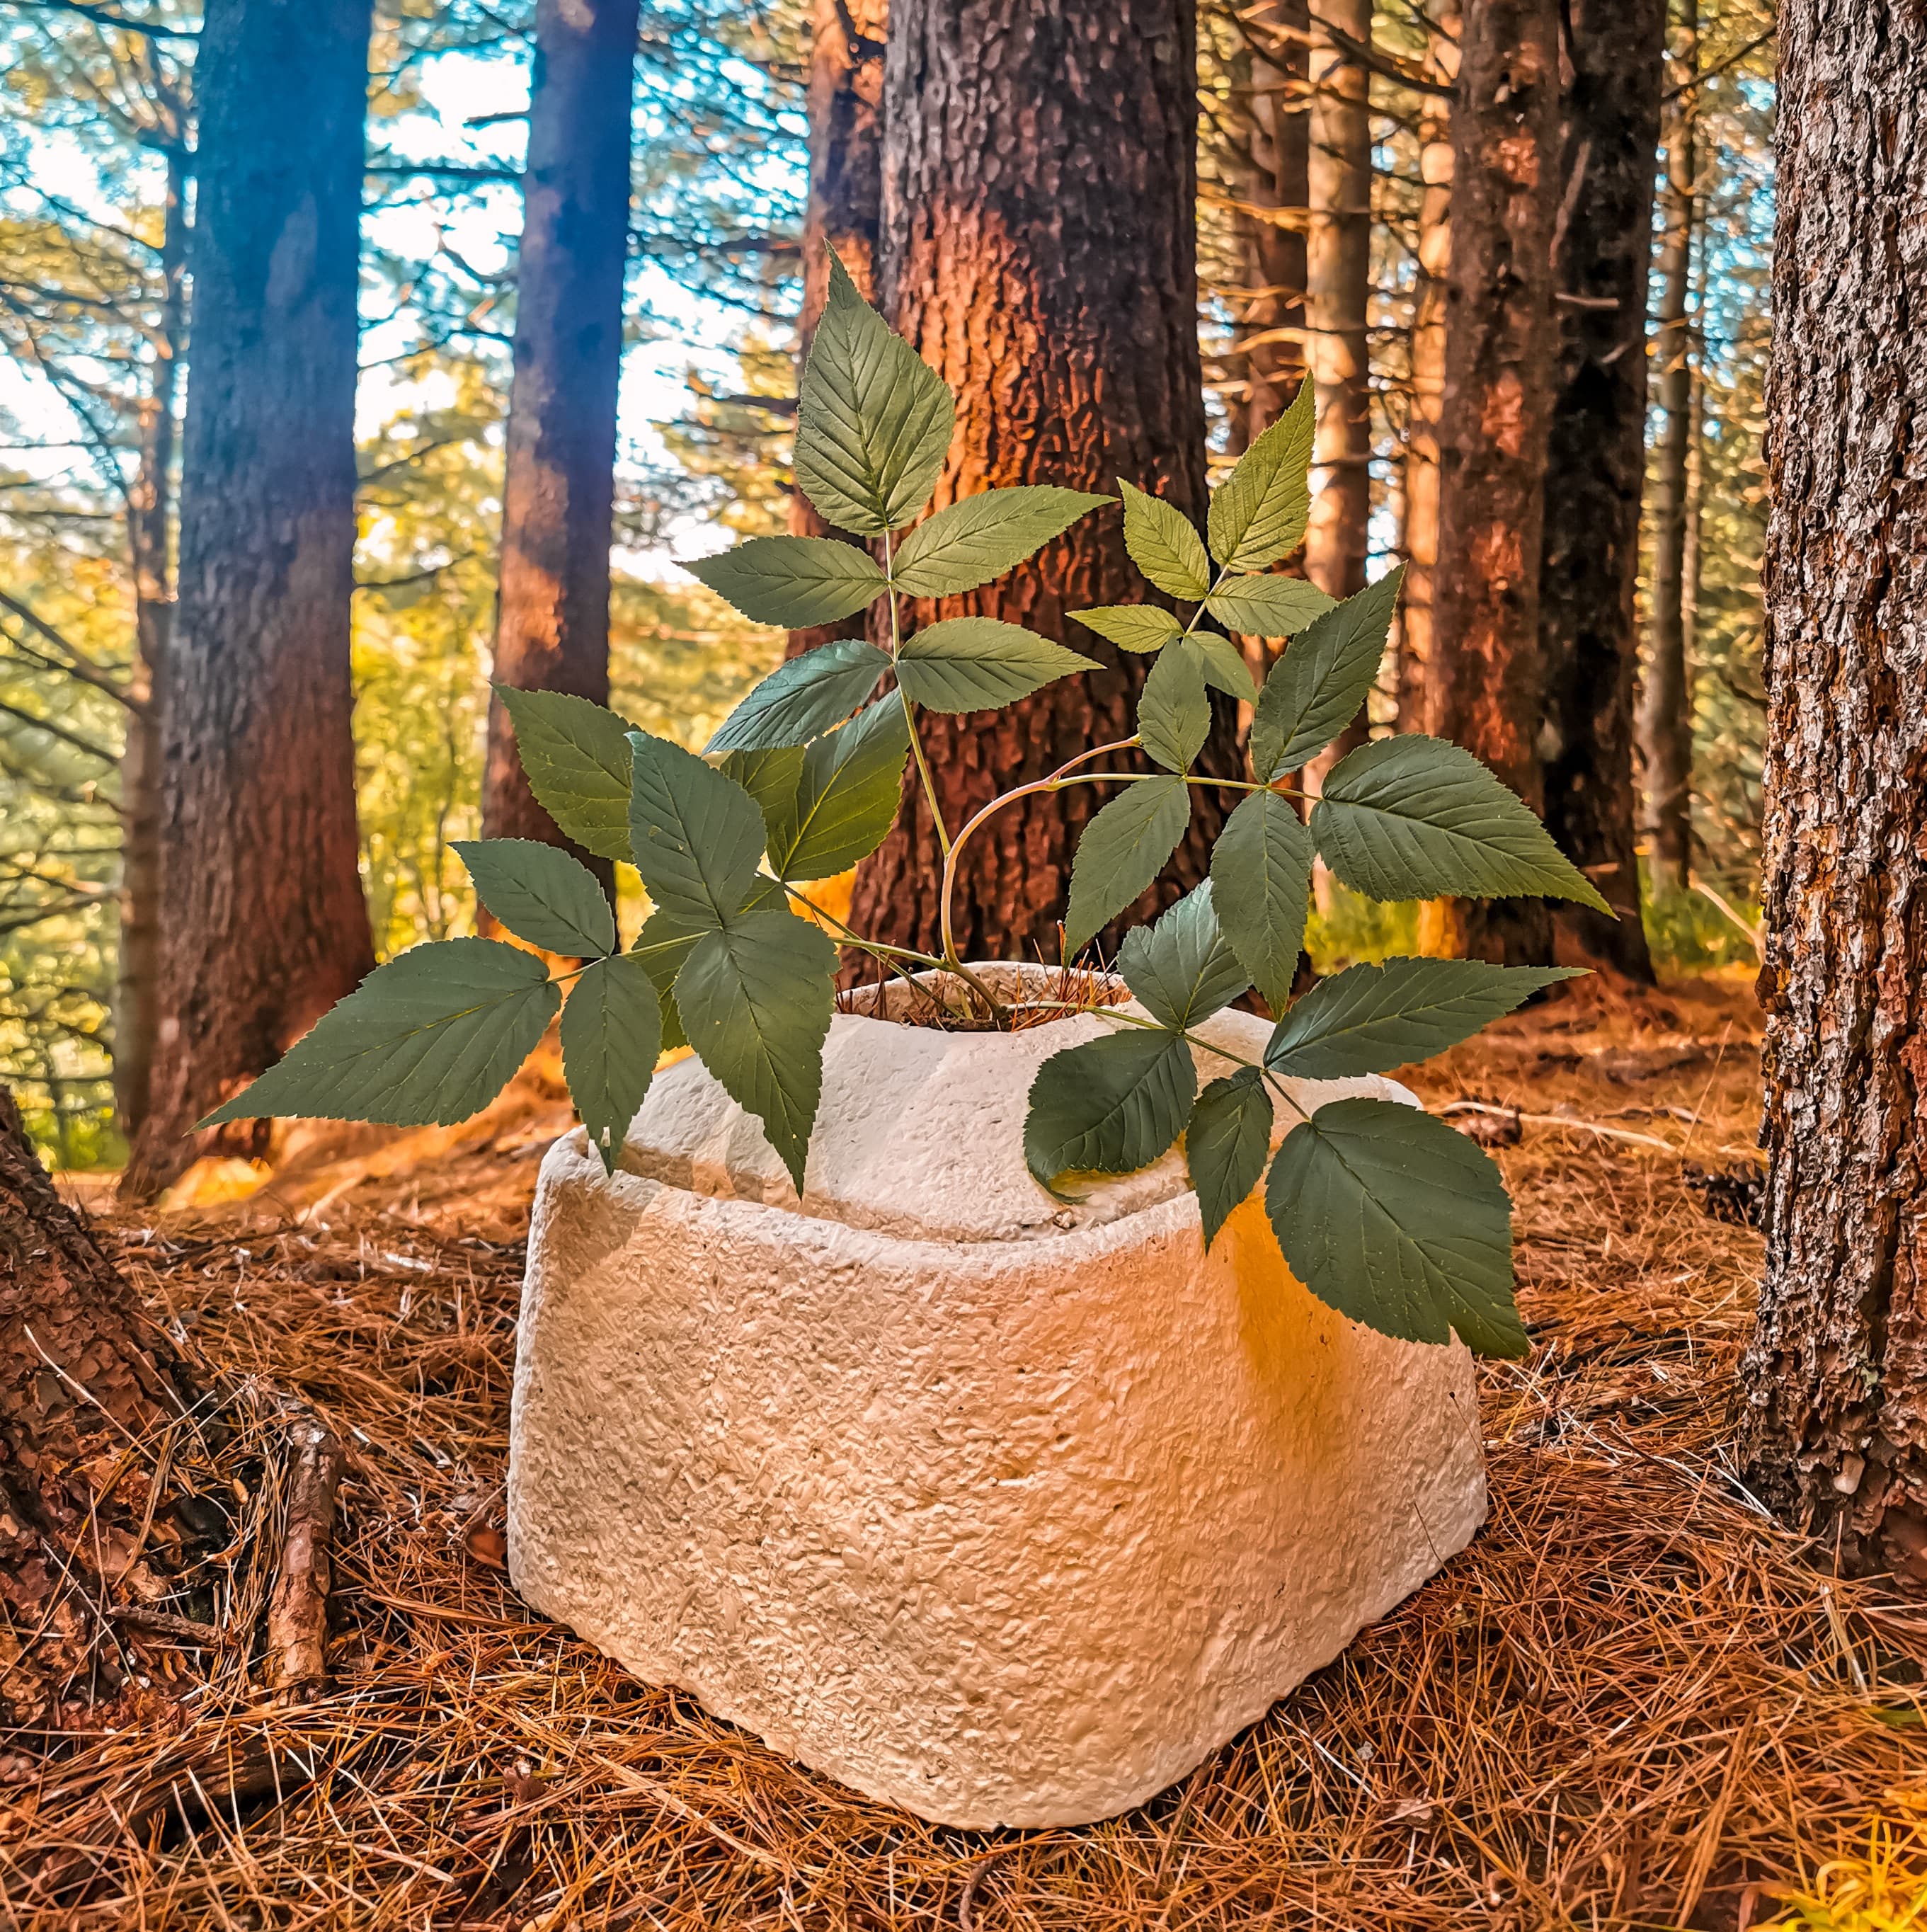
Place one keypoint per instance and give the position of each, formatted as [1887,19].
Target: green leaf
[1224,666]
[804,698]
[426,1040]
[1174,715]
[695,834]
[769,777]
[1415,817]
[1122,851]
[1390,1217]
[1180,966]
[970,542]
[873,420]
[1368,1019]
[1258,513]
[845,798]
[1267,607]
[1226,1145]
[1316,689]
[976,664]
[756,1001]
[796,581]
[611,1035]
[575,755]
[541,895]
[1261,872]
[1163,545]
[1109,1106]
[1131,627]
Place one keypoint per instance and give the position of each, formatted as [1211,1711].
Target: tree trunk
[262,924]
[845,107]
[1428,372]
[1039,182]
[1484,680]
[1834,1434]
[1665,718]
[1595,466]
[150,517]
[552,618]
[1267,358]
[89,1386]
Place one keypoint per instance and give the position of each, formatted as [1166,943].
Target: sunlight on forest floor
[1633,1702]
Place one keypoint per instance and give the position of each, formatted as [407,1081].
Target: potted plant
[997,1414]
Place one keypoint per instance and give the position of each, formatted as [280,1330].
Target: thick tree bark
[263,923]
[1835,1430]
[1665,715]
[1039,249]
[1267,361]
[1428,374]
[558,493]
[88,1389]
[1484,680]
[845,106]
[1595,466]
[150,517]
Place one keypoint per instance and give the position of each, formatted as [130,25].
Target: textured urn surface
[1006,1511]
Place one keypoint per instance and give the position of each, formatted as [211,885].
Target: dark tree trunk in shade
[262,924]
[552,619]
[83,1373]
[845,106]
[1484,680]
[1039,250]
[1665,715]
[1835,1431]
[150,517]
[1596,467]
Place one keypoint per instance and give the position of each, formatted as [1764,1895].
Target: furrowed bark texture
[1835,1428]
[552,625]
[1596,468]
[150,515]
[262,924]
[1039,251]
[1665,715]
[845,107]
[1484,678]
[1428,375]
[82,1372]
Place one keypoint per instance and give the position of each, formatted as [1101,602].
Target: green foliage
[1384,1212]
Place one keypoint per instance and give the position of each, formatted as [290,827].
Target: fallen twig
[298,1611]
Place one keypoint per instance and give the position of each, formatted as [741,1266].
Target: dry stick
[298,1611]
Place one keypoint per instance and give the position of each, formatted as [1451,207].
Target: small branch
[106,17]
[298,1611]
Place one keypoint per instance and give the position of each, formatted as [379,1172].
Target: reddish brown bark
[845,105]
[262,924]
[88,1387]
[1039,249]
[552,619]
[1596,467]
[1835,1429]
[1484,678]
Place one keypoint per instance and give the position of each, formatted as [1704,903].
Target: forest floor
[1633,1702]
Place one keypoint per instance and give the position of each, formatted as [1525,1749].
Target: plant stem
[910,715]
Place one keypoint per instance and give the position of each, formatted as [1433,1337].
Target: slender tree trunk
[1267,358]
[552,617]
[150,517]
[1485,680]
[262,924]
[845,106]
[1665,717]
[1835,1433]
[1428,373]
[1595,466]
[1039,184]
